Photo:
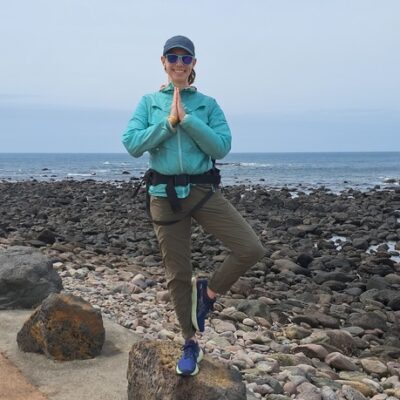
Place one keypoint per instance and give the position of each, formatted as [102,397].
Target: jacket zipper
[180,151]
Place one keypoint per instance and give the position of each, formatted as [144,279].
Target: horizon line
[232,152]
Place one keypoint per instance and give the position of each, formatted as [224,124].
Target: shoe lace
[189,350]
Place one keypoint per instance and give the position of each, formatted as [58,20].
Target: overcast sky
[290,75]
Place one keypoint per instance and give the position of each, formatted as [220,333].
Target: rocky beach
[317,318]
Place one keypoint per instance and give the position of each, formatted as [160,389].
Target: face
[178,72]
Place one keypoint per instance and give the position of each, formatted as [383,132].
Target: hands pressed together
[177,111]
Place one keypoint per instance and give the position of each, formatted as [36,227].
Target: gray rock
[252,308]
[352,394]
[151,376]
[328,393]
[272,382]
[376,282]
[47,236]
[289,265]
[368,320]
[374,366]
[342,340]
[312,351]
[394,303]
[27,277]
[361,243]
[326,321]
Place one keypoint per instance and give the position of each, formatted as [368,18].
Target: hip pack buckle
[181,180]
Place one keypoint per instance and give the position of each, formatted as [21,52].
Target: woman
[184,132]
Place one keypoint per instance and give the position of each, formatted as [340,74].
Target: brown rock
[362,387]
[342,340]
[312,351]
[340,362]
[296,332]
[152,376]
[374,366]
[64,327]
[242,286]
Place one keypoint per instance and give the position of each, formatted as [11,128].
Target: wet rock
[361,243]
[64,327]
[151,371]
[47,236]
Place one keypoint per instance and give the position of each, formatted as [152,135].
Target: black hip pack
[152,177]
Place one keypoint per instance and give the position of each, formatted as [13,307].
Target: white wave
[71,174]
[247,164]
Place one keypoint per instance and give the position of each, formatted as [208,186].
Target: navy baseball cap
[181,42]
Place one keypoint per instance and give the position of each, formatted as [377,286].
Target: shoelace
[189,350]
[207,303]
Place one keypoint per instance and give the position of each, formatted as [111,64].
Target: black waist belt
[153,177]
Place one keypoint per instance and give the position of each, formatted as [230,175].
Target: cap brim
[179,47]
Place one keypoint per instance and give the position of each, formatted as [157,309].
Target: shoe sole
[196,370]
[194,304]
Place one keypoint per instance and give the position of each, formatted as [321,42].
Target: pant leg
[174,241]
[220,218]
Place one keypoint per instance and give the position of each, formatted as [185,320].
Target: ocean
[301,171]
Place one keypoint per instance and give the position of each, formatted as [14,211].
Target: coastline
[320,276]
[302,171]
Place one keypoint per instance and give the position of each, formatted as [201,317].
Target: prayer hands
[179,105]
[177,112]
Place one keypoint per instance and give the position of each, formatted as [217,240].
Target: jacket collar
[170,88]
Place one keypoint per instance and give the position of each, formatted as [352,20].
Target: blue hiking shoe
[201,303]
[192,354]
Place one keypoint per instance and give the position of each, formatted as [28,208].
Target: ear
[194,62]
[163,61]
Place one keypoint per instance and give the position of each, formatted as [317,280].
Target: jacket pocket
[156,114]
[200,112]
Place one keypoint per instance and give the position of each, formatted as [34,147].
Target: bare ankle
[211,294]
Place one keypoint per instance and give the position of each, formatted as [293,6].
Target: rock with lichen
[64,327]
[151,376]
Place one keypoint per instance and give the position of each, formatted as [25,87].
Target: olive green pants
[217,217]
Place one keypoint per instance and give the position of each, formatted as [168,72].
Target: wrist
[173,120]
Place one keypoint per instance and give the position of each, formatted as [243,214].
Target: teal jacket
[188,148]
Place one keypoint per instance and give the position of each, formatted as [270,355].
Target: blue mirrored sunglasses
[185,59]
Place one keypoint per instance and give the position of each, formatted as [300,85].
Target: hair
[192,77]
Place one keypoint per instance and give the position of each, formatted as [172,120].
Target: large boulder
[64,327]
[27,277]
[151,376]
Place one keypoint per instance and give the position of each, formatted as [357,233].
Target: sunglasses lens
[172,58]
[187,59]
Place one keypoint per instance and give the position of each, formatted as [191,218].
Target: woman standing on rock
[184,132]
